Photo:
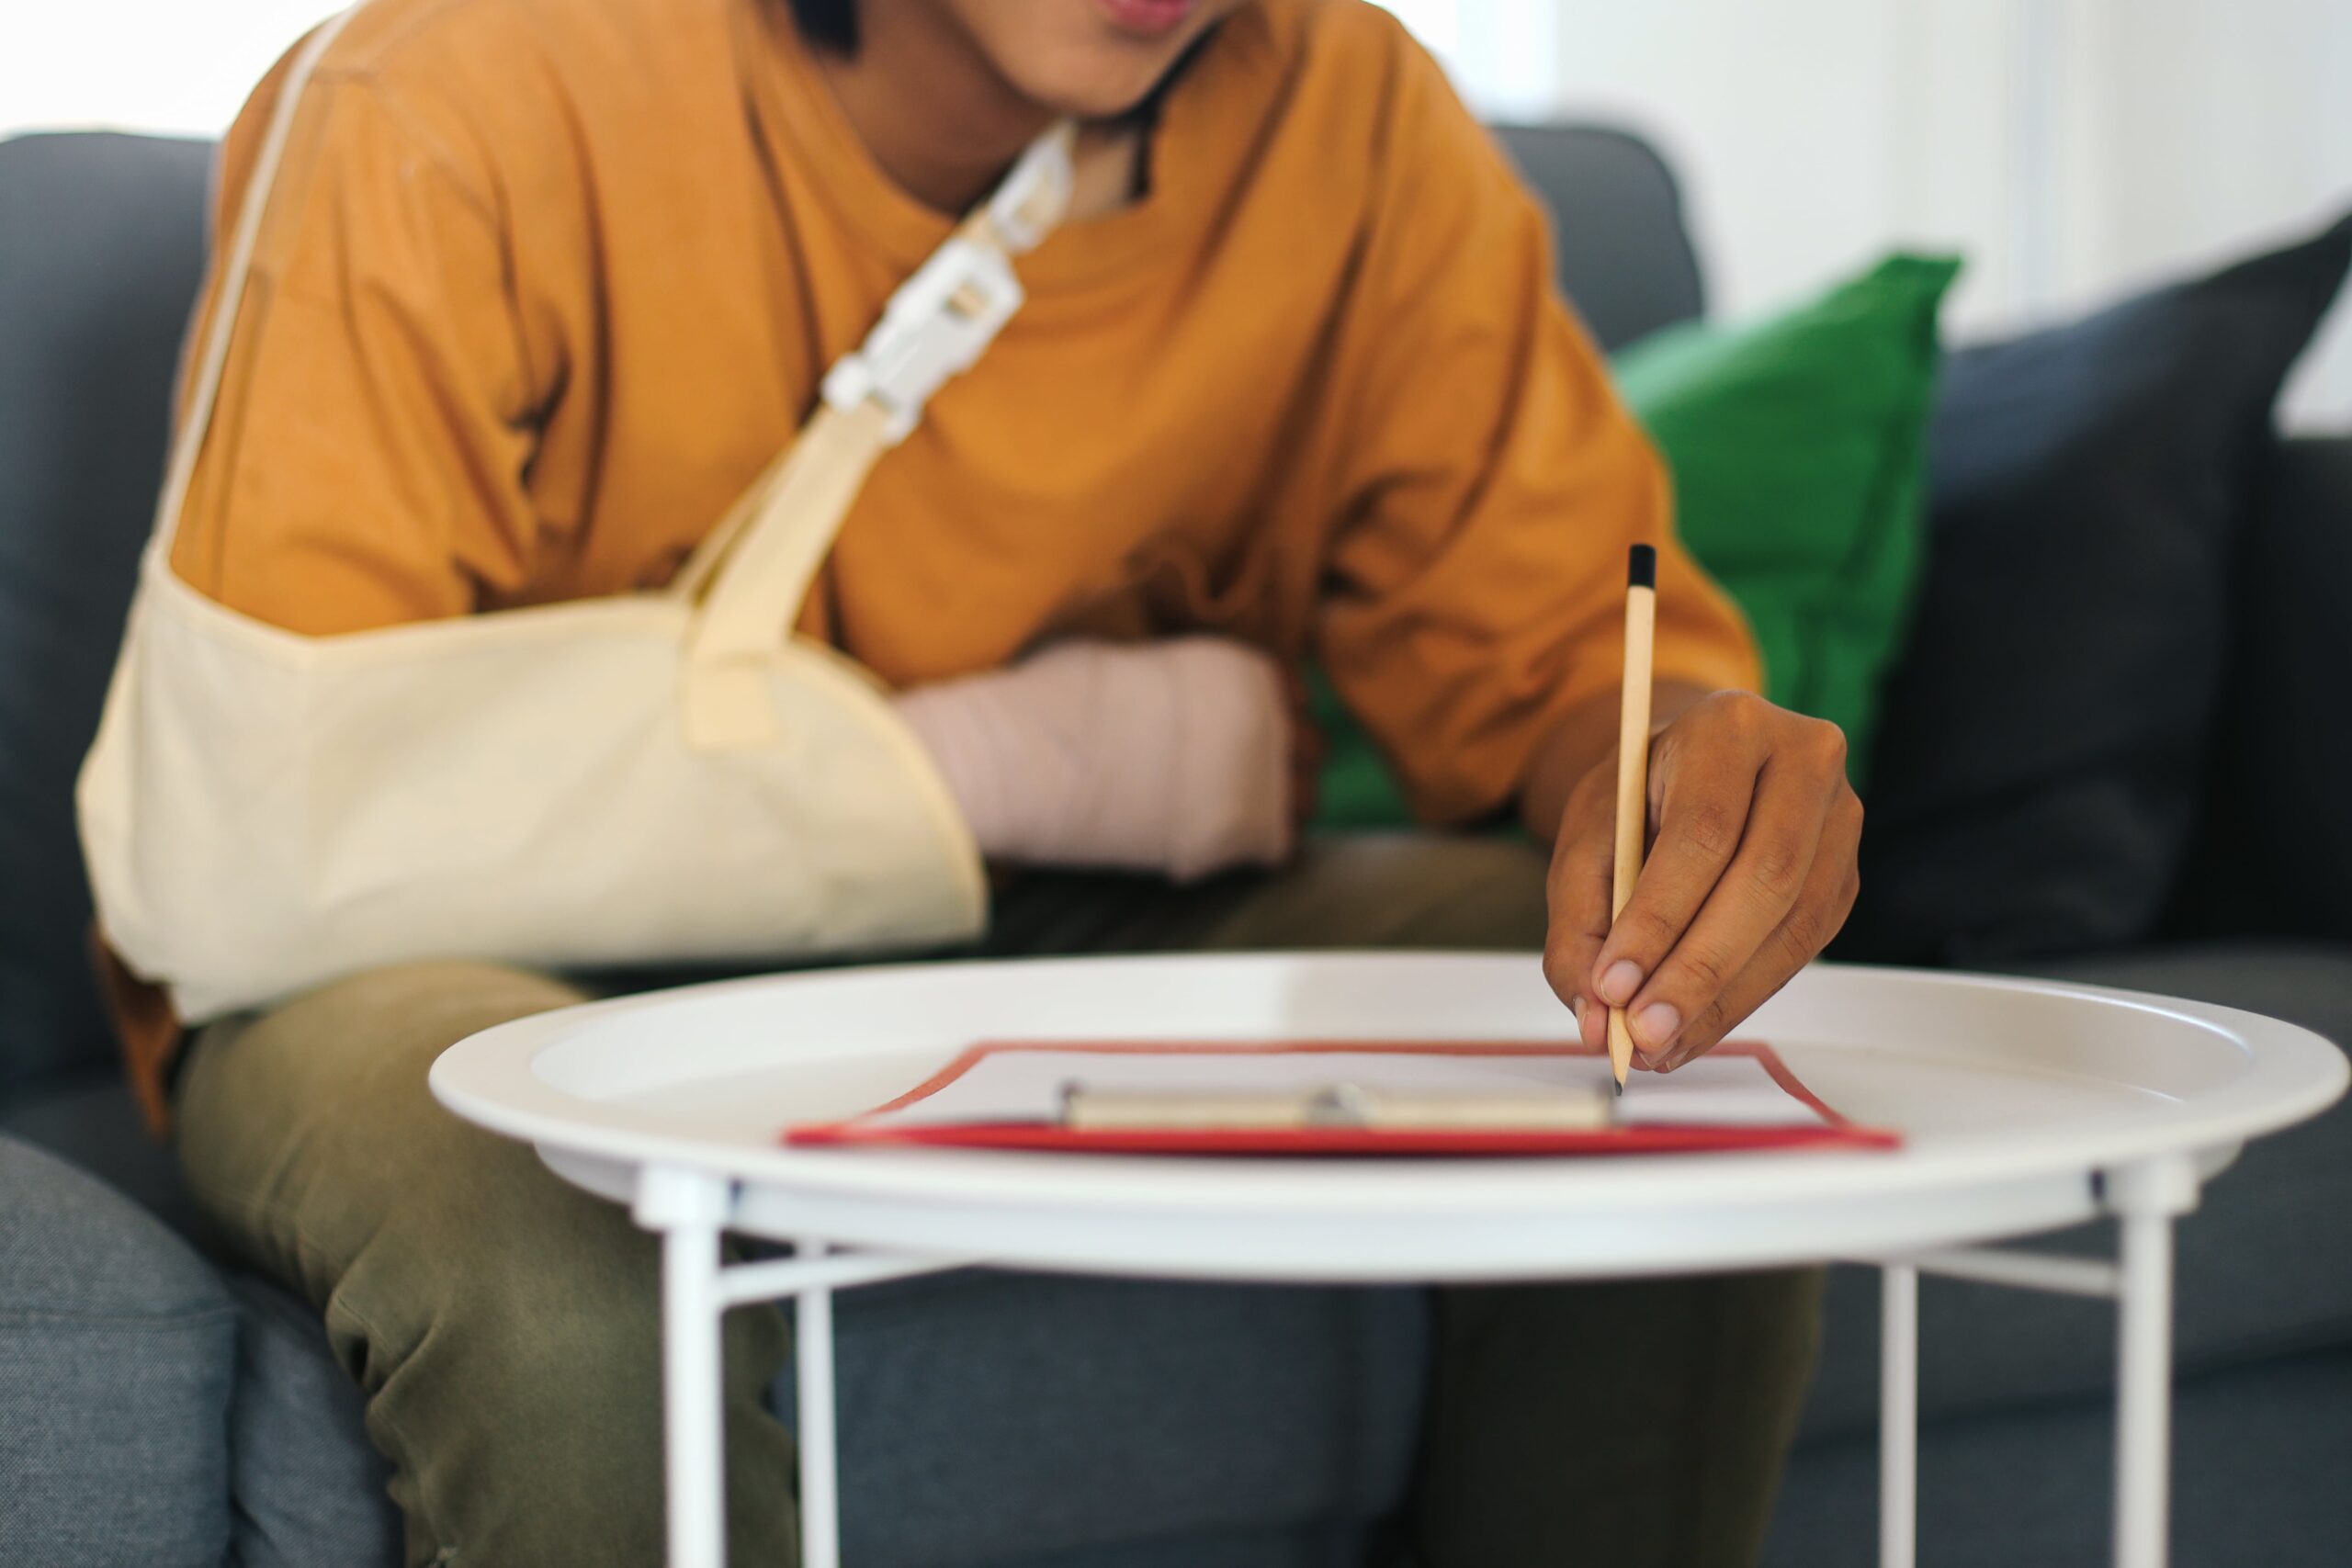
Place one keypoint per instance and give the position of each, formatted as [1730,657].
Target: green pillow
[1797,444]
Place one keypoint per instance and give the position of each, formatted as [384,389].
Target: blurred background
[2068,148]
[2077,604]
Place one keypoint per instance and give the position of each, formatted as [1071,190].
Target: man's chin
[1092,102]
[1102,80]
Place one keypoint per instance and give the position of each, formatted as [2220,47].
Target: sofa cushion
[2274,851]
[89,1117]
[306,1485]
[105,241]
[2257,1477]
[1798,447]
[989,1416]
[1327,1545]
[2046,730]
[118,1346]
[309,1487]
[1623,251]
[2251,1282]
[2298,773]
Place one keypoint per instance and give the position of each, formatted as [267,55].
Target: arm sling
[653,777]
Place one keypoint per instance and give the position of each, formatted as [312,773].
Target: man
[545,283]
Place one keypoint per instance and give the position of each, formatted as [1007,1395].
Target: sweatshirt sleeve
[1475,581]
[366,461]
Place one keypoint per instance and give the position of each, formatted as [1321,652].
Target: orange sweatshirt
[545,282]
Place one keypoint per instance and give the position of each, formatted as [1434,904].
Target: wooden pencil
[1633,766]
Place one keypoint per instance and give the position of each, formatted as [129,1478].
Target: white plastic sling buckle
[940,319]
[936,324]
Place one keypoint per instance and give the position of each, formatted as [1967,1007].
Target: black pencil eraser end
[1641,569]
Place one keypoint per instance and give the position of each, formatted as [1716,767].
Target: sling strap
[213,354]
[937,323]
[749,575]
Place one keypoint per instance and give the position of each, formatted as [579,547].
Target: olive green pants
[506,1329]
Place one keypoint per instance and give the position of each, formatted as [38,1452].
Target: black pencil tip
[1641,569]
[1620,1088]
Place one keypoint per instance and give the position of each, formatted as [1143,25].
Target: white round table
[2025,1105]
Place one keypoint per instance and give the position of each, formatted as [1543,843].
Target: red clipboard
[1811,1124]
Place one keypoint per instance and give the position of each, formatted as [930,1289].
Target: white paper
[1025,1085]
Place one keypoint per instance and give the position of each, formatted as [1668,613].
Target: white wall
[2209,126]
[2069,148]
[168,65]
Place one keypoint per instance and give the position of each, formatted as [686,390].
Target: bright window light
[156,65]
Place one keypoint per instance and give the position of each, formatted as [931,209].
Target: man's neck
[941,122]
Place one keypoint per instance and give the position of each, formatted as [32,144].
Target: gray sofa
[158,1409]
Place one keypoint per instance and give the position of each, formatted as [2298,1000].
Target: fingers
[1791,946]
[1751,873]
[1704,811]
[1743,912]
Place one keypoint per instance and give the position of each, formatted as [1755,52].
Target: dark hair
[828,23]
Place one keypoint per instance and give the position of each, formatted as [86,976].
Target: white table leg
[1898,1416]
[687,1209]
[812,1357]
[2145,1199]
[2144,1393]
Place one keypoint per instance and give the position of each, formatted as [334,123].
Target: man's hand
[1752,831]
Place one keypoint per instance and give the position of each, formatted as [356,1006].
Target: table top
[2014,1096]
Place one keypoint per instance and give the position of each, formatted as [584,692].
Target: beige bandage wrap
[642,778]
[1170,757]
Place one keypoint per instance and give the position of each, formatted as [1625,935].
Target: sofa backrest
[104,247]
[101,239]
[1625,256]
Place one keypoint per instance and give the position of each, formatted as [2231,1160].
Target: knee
[529,1317]
[515,1384]
[514,1380]
[488,1282]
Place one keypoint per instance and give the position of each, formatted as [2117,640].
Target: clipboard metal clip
[1344,1105]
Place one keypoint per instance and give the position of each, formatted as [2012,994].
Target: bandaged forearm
[1169,756]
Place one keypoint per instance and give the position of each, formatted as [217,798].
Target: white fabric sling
[639,779]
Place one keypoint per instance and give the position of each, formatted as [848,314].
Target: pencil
[1633,766]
